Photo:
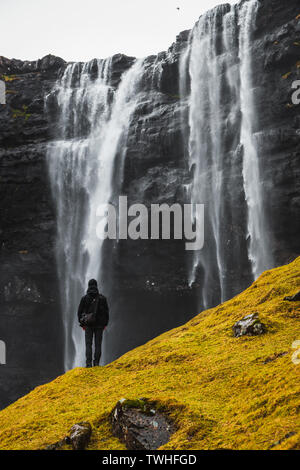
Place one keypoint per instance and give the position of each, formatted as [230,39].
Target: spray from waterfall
[93,121]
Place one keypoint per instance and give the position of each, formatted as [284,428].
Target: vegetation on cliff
[221,391]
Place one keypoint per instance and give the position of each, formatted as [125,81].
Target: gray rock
[80,435]
[139,425]
[249,325]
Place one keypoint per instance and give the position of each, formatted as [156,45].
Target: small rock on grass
[249,325]
[139,425]
[80,435]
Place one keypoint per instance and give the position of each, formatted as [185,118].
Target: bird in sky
[178,8]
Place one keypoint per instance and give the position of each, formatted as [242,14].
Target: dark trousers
[90,333]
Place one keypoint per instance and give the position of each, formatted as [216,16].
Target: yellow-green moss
[221,391]
[286,75]
[9,78]
[21,112]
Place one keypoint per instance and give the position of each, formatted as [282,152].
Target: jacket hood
[92,290]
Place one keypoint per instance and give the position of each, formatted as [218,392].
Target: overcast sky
[84,29]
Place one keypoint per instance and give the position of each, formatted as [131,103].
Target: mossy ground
[221,391]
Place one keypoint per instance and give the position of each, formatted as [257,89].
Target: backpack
[89,319]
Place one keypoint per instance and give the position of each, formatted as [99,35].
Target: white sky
[84,29]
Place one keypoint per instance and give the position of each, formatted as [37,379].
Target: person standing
[93,317]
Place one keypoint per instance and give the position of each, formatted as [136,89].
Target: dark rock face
[276,50]
[145,282]
[30,320]
[139,426]
[249,325]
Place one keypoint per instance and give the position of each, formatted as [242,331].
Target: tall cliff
[148,283]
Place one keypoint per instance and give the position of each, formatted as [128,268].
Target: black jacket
[102,314]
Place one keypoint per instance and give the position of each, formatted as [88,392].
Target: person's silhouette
[93,316]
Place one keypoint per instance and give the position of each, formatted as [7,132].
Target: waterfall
[93,123]
[204,66]
[95,130]
[216,65]
[259,245]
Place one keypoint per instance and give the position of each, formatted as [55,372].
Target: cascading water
[96,130]
[259,245]
[205,67]
[217,64]
[93,122]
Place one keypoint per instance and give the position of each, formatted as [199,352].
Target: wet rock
[139,425]
[80,435]
[293,298]
[28,276]
[249,325]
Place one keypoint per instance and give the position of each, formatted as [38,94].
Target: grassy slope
[216,387]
